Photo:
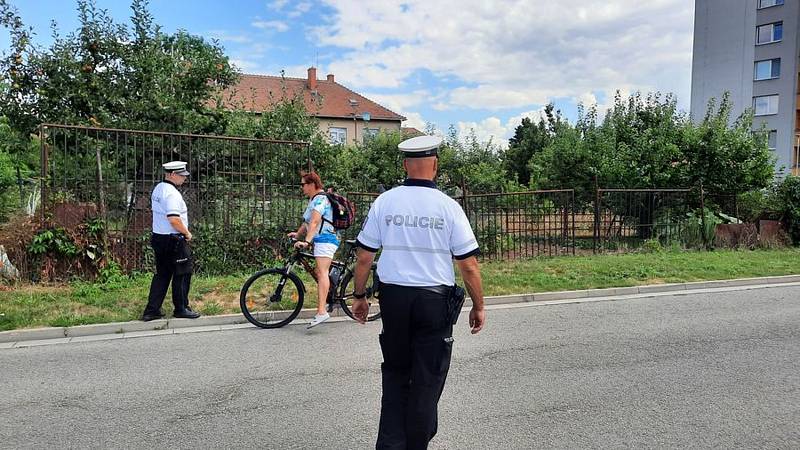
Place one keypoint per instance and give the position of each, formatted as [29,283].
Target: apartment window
[370,133]
[771,32]
[772,139]
[768,3]
[767,69]
[338,135]
[765,105]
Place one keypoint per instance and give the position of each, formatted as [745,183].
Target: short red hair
[312,177]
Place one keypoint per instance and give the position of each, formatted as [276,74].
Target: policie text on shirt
[435,223]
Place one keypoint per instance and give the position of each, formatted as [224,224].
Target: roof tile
[331,99]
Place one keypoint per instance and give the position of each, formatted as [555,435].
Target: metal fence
[522,224]
[239,191]
[508,225]
[626,218]
[243,196]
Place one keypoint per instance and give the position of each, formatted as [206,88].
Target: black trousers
[165,248]
[417,345]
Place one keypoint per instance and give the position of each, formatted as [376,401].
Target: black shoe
[149,317]
[185,314]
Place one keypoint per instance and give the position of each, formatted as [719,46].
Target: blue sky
[475,64]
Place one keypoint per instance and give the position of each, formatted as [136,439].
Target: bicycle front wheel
[347,288]
[271,298]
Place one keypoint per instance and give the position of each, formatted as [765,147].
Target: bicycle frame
[341,274]
[303,259]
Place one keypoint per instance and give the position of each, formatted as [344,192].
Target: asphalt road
[697,370]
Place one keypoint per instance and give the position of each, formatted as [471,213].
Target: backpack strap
[323,215]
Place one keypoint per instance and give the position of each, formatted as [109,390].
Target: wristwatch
[361,296]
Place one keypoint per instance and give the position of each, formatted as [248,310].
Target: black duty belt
[166,236]
[440,289]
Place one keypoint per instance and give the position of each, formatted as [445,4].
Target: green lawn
[24,306]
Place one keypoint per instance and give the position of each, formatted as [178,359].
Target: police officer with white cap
[169,241]
[420,230]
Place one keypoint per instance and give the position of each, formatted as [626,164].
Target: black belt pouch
[183,256]
[455,301]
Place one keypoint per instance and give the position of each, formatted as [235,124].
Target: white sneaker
[318,319]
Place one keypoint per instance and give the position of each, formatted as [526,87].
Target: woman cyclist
[317,229]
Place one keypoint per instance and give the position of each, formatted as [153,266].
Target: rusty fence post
[596,233]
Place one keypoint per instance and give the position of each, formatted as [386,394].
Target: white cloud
[492,128]
[489,129]
[224,36]
[276,25]
[414,120]
[277,4]
[399,102]
[247,66]
[515,53]
[300,9]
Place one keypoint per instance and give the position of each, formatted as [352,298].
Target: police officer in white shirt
[169,241]
[420,230]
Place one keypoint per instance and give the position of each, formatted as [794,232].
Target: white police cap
[177,167]
[420,146]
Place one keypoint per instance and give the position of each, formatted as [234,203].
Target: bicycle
[271,298]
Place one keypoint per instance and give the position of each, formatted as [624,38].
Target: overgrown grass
[25,306]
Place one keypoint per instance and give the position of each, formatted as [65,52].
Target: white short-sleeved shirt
[420,230]
[167,201]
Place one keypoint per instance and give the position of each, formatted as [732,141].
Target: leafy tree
[784,196]
[727,159]
[478,165]
[18,162]
[530,138]
[639,142]
[644,142]
[567,163]
[105,74]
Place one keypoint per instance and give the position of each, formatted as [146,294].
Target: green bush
[219,251]
[786,197]
[652,246]
[699,231]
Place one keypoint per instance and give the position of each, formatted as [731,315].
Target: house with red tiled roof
[410,132]
[344,115]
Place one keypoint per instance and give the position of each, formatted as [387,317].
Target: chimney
[312,78]
[330,77]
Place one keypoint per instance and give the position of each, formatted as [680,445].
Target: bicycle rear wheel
[271,298]
[347,288]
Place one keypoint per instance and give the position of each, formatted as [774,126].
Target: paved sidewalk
[123,330]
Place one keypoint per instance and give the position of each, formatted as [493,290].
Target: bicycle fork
[276,296]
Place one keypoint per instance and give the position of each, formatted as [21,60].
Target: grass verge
[26,306]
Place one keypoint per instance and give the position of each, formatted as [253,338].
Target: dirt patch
[40,289]
[80,309]
[228,300]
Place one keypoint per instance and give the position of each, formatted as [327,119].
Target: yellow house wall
[355,129]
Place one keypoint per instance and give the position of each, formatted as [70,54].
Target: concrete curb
[116,330]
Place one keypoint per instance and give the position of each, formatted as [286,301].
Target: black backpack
[344,211]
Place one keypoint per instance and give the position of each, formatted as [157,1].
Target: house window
[771,32]
[370,133]
[767,69]
[772,139]
[765,105]
[768,3]
[338,135]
